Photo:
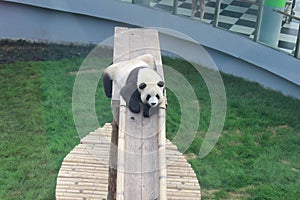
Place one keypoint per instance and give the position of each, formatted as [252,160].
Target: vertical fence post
[217,13]
[175,5]
[258,20]
[297,50]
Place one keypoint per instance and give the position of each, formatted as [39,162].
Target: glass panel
[166,5]
[142,2]
[290,27]
[128,1]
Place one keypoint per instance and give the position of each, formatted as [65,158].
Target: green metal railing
[260,4]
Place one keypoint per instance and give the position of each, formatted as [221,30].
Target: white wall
[35,23]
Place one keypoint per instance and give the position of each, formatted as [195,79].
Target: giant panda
[141,85]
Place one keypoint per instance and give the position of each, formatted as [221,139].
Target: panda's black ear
[142,85]
[161,84]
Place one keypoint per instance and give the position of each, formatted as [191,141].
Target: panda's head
[151,93]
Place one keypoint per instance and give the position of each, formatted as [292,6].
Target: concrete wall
[38,23]
[94,21]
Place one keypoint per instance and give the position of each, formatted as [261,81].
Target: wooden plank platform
[84,171]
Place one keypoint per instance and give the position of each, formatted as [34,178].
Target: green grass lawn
[36,126]
[256,157]
[258,153]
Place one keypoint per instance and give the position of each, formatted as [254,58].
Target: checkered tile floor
[236,16]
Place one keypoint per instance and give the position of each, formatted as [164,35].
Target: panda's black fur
[131,94]
[133,87]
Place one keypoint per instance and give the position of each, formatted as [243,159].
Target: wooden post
[162,153]
[113,159]
[141,166]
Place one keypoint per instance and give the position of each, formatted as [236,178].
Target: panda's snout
[153,101]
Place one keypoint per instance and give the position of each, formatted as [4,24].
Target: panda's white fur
[140,74]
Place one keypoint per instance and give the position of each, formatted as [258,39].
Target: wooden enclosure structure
[139,158]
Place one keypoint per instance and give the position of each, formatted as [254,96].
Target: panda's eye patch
[157,96]
[148,97]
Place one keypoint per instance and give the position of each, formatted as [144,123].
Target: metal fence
[255,19]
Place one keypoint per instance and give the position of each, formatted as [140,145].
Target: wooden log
[141,156]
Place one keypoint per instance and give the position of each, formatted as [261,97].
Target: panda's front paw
[146,114]
[146,111]
[134,107]
[107,84]
[134,102]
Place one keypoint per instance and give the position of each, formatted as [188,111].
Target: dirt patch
[21,50]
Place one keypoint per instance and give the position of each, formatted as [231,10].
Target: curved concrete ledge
[94,22]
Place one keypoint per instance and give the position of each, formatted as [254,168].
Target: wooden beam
[141,151]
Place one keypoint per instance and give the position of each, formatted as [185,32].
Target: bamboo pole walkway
[84,171]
